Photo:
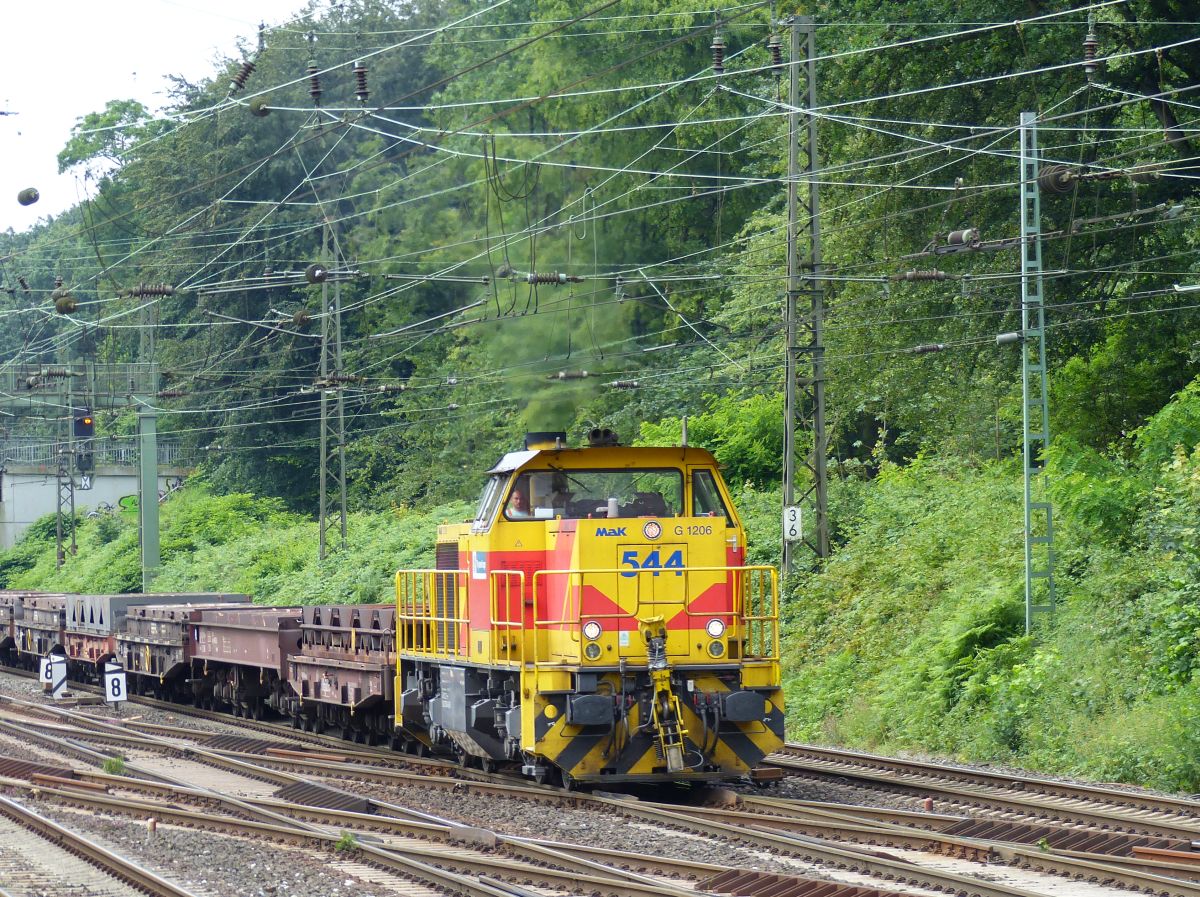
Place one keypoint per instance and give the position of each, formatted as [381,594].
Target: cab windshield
[486,509]
[543,494]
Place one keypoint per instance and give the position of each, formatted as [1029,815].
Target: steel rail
[1120,818]
[114,864]
[1138,800]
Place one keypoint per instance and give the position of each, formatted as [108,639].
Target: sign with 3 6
[793,523]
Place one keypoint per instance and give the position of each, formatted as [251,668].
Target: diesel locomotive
[596,622]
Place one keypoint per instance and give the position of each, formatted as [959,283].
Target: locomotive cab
[596,621]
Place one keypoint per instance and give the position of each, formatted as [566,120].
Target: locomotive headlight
[591,651]
[716,649]
[592,630]
[715,628]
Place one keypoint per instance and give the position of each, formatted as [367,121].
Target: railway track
[840,837]
[799,832]
[1032,797]
[41,856]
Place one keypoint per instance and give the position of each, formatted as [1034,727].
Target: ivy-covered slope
[913,636]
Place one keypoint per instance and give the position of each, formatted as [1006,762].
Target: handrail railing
[120,451]
[507,641]
[432,617]
[427,608]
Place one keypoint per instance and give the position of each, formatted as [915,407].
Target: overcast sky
[65,58]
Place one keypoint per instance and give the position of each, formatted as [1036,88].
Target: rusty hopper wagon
[39,630]
[343,675]
[241,655]
[156,647]
[94,622]
[12,607]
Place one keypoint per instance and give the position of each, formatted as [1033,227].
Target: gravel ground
[798,787]
[31,690]
[576,825]
[216,864]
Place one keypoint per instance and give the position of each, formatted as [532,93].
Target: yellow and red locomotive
[595,622]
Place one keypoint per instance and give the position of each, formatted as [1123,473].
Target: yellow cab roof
[604,458]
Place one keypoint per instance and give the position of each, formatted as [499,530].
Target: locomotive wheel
[488,764]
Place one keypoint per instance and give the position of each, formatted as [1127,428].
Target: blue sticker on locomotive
[479,565]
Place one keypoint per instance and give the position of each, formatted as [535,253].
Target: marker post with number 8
[115,689]
[54,675]
[793,523]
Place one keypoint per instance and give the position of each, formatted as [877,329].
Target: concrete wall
[28,492]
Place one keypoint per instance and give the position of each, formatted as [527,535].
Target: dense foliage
[606,150]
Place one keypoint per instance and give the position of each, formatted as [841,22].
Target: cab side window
[706,498]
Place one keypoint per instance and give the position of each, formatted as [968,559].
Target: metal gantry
[333,426]
[810,388]
[1039,515]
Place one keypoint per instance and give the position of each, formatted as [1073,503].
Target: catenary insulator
[1057,178]
[1145,176]
[259,107]
[239,79]
[453,406]
[624,384]
[926,348]
[391,387]
[28,196]
[316,273]
[775,46]
[569,375]
[314,82]
[552,277]
[921,275]
[966,237]
[145,290]
[1007,339]
[23,282]
[360,82]
[64,302]
[170,393]
[718,54]
[1090,65]
[301,318]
